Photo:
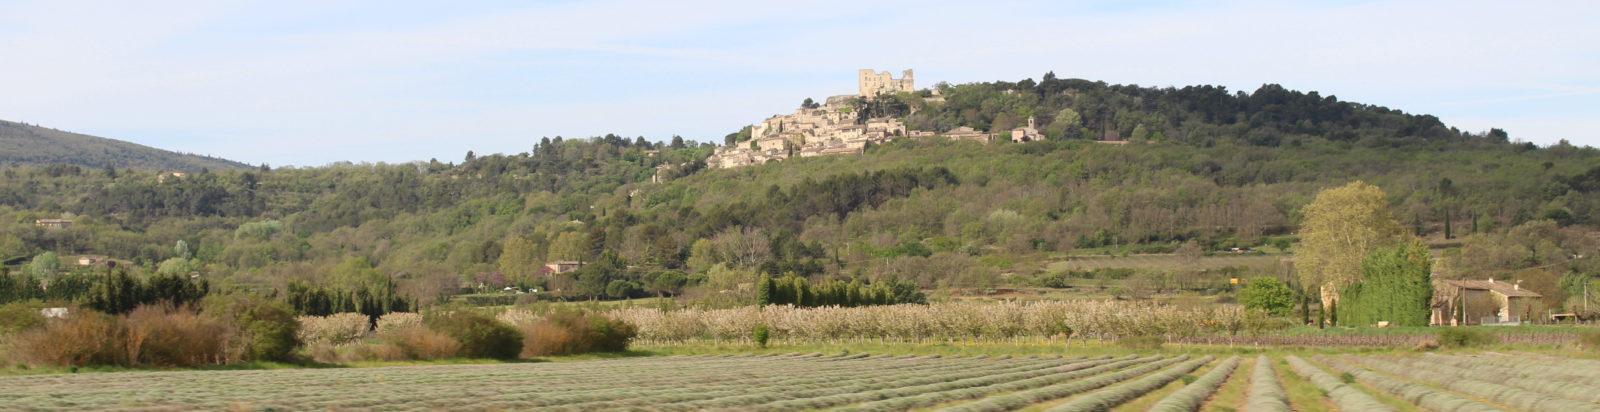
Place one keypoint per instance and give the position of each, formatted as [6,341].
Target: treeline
[374,301]
[115,292]
[933,212]
[1199,115]
[797,291]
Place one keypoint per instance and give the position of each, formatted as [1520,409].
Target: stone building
[874,83]
[1027,133]
[53,223]
[559,267]
[967,133]
[833,128]
[1475,302]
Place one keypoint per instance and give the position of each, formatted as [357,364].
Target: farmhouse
[1477,302]
[52,223]
[559,267]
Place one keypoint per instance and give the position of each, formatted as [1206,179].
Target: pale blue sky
[294,82]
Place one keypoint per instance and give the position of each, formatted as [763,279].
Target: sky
[311,82]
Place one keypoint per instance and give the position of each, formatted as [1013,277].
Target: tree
[1396,287]
[619,289]
[178,266]
[1140,133]
[181,250]
[595,278]
[702,254]
[355,274]
[569,246]
[1067,120]
[1447,196]
[519,258]
[744,247]
[764,287]
[1268,294]
[45,265]
[671,281]
[1581,288]
[726,286]
[1342,227]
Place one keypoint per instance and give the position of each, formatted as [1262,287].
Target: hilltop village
[837,127]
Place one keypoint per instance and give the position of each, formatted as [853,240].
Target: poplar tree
[1342,227]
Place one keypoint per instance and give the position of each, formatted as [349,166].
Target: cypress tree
[1397,286]
[764,290]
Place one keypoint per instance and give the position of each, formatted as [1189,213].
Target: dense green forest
[1220,170]
[24,144]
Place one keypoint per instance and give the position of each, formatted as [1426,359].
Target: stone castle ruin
[836,128]
[873,84]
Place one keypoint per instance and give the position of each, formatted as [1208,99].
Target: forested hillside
[1210,170]
[22,144]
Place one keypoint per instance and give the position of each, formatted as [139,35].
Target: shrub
[546,339]
[1589,339]
[397,320]
[569,333]
[323,353]
[160,335]
[336,329]
[381,351]
[82,338]
[761,335]
[414,342]
[481,336]
[1268,294]
[1458,337]
[18,316]
[263,329]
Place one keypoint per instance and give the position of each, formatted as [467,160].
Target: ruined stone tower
[873,83]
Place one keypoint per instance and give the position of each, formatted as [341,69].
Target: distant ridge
[23,144]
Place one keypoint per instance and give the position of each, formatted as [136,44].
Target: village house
[967,133]
[835,128]
[1478,302]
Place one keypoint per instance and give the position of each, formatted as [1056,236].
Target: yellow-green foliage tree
[520,259]
[569,246]
[1342,227]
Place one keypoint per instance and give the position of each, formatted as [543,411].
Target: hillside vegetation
[1220,170]
[23,144]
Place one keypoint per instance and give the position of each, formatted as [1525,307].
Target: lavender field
[855,382]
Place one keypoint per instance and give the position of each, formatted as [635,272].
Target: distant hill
[22,144]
